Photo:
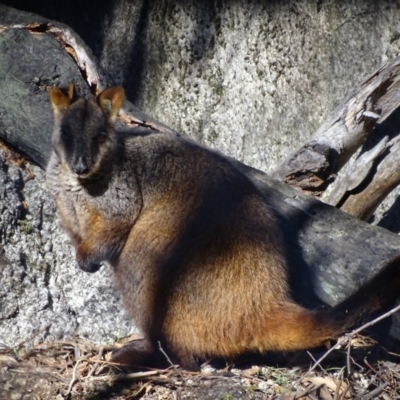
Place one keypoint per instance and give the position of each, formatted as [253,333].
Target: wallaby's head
[84,136]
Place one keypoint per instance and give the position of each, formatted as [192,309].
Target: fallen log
[365,112]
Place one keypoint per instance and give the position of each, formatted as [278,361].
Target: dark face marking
[86,135]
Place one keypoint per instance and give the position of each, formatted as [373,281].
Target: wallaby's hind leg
[142,353]
[287,327]
[138,353]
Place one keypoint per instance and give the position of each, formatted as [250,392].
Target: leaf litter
[80,370]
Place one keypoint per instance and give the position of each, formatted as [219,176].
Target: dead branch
[377,177]
[315,165]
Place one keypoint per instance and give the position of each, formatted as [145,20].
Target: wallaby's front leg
[87,259]
[82,235]
[100,245]
[100,240]
[139,274]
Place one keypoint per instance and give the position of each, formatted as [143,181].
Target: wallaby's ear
[110,100]
[61,98]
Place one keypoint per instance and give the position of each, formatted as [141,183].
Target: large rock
[252,78]
[43,295]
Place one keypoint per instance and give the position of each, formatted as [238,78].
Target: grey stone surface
[43,295]
[253,79]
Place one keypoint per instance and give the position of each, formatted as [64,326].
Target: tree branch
[315,165]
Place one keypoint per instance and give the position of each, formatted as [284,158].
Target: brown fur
[196,251]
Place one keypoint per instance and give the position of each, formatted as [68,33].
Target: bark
[315,165]
[331,253]
[377,172]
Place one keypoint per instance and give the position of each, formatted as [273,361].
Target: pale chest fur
[117,201]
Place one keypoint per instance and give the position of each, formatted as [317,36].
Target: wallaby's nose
[80,166]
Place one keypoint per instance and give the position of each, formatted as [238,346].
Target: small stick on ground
[348,357]
[175,367]
[96,364]
[312,357]
[73,379]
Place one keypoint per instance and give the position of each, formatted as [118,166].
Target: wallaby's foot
[187,361]
[137,353]
[141,353]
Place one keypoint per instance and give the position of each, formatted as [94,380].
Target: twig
[374,321]
[340,342]
[139,375]
[337,391]
[370,366]
[348,357]
[344,391]
[96,364]
[313,358]
[166,356]
[356,363]
[376,392]
[73,379]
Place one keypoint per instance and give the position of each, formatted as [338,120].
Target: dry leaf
[130,338]
[7,360]
[332,384]
[251,371]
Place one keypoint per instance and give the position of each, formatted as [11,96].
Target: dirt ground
[78,369]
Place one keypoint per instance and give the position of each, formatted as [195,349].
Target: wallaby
[197,253]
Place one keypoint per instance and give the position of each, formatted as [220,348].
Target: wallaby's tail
[295,328]
[379,292]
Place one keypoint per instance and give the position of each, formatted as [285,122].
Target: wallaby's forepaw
[91,268]
[87,264]
[137,353]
